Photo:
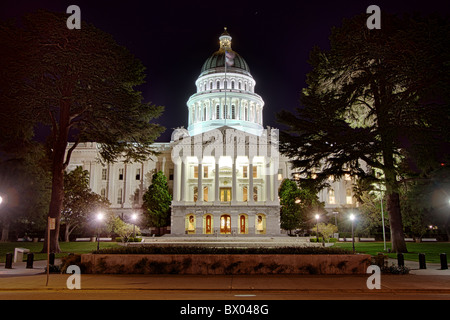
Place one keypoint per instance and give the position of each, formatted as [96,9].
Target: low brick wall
[226,264]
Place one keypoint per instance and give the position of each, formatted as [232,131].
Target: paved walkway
[431,281]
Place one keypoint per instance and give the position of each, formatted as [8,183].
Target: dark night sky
[174,38]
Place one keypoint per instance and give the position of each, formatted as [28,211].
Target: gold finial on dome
[225,40]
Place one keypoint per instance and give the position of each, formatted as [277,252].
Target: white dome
[225,94]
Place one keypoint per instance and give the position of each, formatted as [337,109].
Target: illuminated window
[225,194]
[205,194]
[245,194]
[255,193]
[280,174]
[195,194]
[331,197]
[205,172]
[348,196]
[244,172]
[195,171]
[255,172]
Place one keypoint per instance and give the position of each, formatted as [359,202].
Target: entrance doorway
[225,224]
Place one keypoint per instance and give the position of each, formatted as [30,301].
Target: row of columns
[254,111]
[271,181]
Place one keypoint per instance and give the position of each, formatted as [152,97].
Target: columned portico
[225,170]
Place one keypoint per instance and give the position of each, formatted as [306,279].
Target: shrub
[157,249]
[393,269]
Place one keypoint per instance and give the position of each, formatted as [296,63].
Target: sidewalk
[430,280]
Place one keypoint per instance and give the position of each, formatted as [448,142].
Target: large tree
[157,201]
[298,205]
[79,201]
[375,97]
[81,84]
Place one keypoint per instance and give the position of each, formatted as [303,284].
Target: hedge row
[158,249]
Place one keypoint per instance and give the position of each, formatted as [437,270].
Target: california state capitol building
[223,171]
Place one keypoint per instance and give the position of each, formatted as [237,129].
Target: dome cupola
[225,94]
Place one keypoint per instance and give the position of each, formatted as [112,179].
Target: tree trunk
[395,218]
[67,233]
[58,165]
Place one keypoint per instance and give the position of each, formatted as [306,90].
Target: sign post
[50,226]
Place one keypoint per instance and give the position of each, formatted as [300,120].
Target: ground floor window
[243,224]
[190,224]
[260,224]
[225,224]
[208,224]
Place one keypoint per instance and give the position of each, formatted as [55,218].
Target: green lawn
[66,247]
[431,250]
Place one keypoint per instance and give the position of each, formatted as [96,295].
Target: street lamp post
[99,217]
[317,224]
[352,218]
[382,221]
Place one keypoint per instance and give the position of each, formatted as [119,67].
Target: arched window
[243,224]
[207,224]
[246,113]
[190,224]
[210,85]
[232,84]
[239,85]
[218,84]
[204,113]
[255,193]
[260,223]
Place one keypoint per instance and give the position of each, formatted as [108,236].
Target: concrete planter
[226,264]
